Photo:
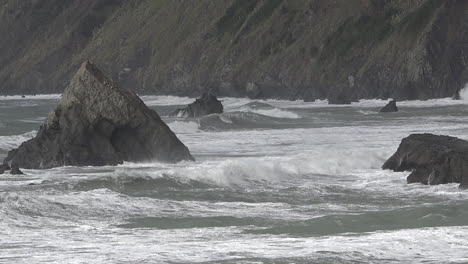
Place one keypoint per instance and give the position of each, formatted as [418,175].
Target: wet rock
[206,105]
[98,123]
[390,107]
[432,159]
[15,170]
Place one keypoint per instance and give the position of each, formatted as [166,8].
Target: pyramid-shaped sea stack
[98,123]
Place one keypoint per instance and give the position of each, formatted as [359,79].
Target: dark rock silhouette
[432,159]
[3,168]
[339,99]
[390,107]
[15,170]
[206,105]
[98,123]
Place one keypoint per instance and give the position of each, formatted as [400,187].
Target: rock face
[432,159]
[15,170]
[301,49]
[390,107]
[206,105]
[98,123]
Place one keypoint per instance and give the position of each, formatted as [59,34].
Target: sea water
[273,182]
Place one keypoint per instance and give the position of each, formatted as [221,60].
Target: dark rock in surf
[15,170]
[98,123]
[339,99]
[456,95]
[206,105]
[432,159]
[390,107]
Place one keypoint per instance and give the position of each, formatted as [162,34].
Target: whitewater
[273,182]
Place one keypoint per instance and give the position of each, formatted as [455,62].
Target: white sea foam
[164,100]
[234,103]
[270,170]
[184,127]
[275,112]
[11,142]
[464,93]
[281,178]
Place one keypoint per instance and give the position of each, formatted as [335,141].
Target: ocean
[273,182]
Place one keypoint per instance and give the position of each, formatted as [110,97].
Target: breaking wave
[11,142]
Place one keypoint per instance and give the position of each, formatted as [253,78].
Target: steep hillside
[269,48]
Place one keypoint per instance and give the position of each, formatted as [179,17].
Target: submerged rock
[432,159]
[206,105]
[98,123]
[390,107]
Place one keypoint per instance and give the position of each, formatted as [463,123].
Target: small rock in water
[15,170]
[340,98]
[390,107]
[206,105]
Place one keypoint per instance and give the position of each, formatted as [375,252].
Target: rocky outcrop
[15,170]
[390,107]
[98,123]
[207,104]
[432,159]
[301,49]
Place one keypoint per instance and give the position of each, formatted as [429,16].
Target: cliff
[285,49]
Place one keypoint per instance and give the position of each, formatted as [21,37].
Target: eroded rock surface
[432,159]
[98,123]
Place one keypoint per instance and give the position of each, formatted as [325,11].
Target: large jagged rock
[432,159]
[98,123]
[390,107]
[206,105]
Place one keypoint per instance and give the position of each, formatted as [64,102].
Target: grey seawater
[274,182]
